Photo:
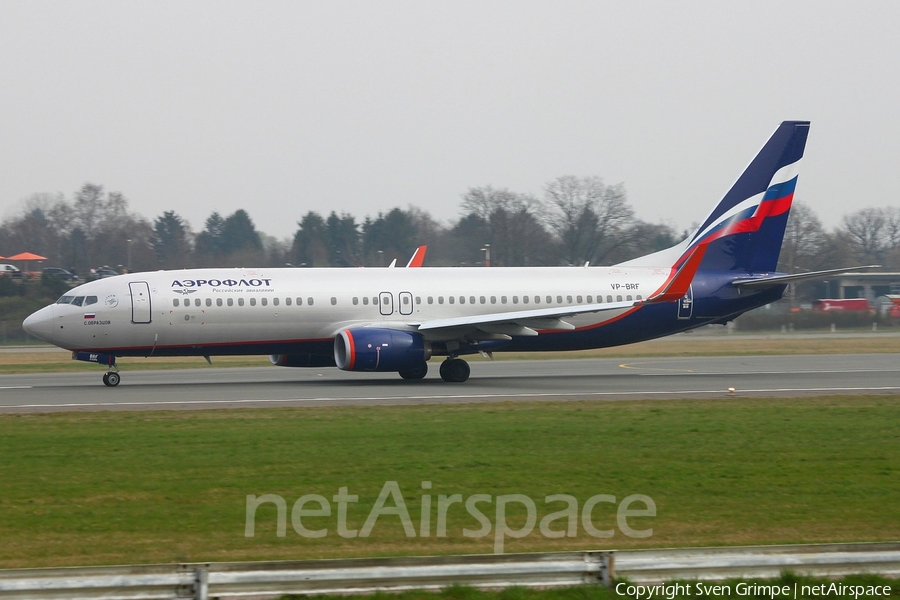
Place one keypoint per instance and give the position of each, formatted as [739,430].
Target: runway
[500,381]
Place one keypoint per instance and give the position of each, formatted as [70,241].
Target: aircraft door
[386,303]
[686,304]
[140,302]
[406,303]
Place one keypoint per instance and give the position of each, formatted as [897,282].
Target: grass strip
[148,487]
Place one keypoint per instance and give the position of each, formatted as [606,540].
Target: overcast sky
[281,107]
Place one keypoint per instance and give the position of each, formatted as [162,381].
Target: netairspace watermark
[390,503]
[671,591]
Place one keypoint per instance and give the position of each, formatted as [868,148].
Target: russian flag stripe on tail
[744,231]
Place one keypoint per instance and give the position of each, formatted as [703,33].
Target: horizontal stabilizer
[774,280]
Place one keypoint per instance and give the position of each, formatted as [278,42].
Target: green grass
[120,488]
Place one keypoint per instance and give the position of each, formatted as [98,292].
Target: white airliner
[397,319]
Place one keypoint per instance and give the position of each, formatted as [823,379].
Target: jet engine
[372,349]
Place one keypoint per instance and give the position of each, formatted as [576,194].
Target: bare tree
[867,234]
[590,218]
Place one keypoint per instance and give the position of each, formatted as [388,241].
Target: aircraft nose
[41,323]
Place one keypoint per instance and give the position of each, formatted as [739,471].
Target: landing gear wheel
[455,370]
[415,373]
[111,379]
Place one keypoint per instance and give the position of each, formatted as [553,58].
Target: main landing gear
[455,370]
[415,372]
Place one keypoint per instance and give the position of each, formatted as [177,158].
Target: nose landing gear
[111,378]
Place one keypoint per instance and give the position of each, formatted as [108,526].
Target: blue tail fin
[745,230]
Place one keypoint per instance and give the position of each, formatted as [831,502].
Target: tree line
[575,220]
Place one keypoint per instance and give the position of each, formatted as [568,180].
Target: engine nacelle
[371,349]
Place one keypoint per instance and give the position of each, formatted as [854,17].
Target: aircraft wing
[418,258]
[523,322]
[773,280]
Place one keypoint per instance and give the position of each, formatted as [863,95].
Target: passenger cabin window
[462,299]
[252,301]
[264,301]
[537,299]
[590,299]
[240,301]
[175,302]
[309,300]
[299,301]
[609,298]
[231,302]
[218,302]
[559,299]
[287,301]
[493,299]
[618,298]
[275,301]
[525,299]
[515,299]
[440,299]
[502,299]
[549,299]
[196,301]
[482,299]
[451,299]
[639,297]
[578,299]
[569,299]
[430,299]
[628,297]
[209,301]
[355,300]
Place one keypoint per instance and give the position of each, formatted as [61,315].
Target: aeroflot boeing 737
[398,319]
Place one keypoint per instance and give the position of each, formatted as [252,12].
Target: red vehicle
[827,305]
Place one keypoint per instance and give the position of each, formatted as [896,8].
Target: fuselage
[209,312]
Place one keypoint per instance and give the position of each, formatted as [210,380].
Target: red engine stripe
[352,348]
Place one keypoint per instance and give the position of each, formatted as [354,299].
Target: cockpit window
[65,300]
[78,301]
[88,300]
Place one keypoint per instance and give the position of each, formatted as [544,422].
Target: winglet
[680,282]
[418,257]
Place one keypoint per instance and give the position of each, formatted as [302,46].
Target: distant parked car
[104,272]
[61,273]
[10,270]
